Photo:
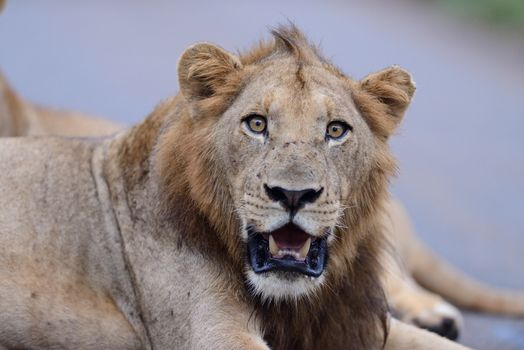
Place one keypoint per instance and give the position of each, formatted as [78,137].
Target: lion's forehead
[289,93]
[296,78]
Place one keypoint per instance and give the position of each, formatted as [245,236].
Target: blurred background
[461,148]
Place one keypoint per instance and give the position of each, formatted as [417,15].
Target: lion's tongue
[289,239]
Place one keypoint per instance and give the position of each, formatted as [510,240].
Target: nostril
[292,199]
[275,193]
[310,195]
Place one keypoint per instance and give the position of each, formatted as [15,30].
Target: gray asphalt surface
[460,147]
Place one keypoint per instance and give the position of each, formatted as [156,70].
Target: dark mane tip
[287,40]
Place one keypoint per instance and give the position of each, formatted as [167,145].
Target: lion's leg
[410,302]
[403,336]
[440,277]
[220,322]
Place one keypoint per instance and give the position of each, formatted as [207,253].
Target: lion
[406,262]
[19,118]
[243,213]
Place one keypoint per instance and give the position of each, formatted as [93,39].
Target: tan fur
[143,228]
[405,336]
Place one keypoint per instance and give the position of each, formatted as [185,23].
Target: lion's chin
[280,285]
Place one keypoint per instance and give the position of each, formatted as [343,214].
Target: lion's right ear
[203,69]
[2,3]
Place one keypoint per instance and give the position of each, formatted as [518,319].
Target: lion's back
[42,171]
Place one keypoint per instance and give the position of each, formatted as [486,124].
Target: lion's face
[292,156]
[295,153]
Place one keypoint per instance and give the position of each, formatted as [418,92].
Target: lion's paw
[430,312]
[443,319]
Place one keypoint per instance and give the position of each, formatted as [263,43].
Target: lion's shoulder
[35,160]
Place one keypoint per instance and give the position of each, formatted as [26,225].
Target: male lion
[244,213]
[406,260]
[18,118]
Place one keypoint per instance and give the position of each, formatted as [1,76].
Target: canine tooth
[305,249]
[273,248]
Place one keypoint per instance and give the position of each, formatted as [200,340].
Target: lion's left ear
[203,69]
[384,97]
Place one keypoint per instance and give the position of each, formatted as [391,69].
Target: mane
[167,148]
[288,40]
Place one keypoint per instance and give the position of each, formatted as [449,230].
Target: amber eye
[336,130]
[256,124]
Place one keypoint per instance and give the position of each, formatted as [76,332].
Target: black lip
[261,260]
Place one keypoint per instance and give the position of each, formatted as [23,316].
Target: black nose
[292,200]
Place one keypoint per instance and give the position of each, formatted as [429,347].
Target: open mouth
[288,248]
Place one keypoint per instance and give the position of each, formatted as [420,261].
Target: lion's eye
[256,124]
[336,130]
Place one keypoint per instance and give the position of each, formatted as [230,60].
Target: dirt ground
[460,148]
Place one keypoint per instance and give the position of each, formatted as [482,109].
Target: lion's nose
[292,200]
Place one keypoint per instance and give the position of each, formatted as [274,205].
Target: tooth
[273,248]
[305,249]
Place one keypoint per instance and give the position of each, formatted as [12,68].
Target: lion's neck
[141,160]
[349,313]
[133,150]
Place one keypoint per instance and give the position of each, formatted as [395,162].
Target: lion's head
[284,156]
